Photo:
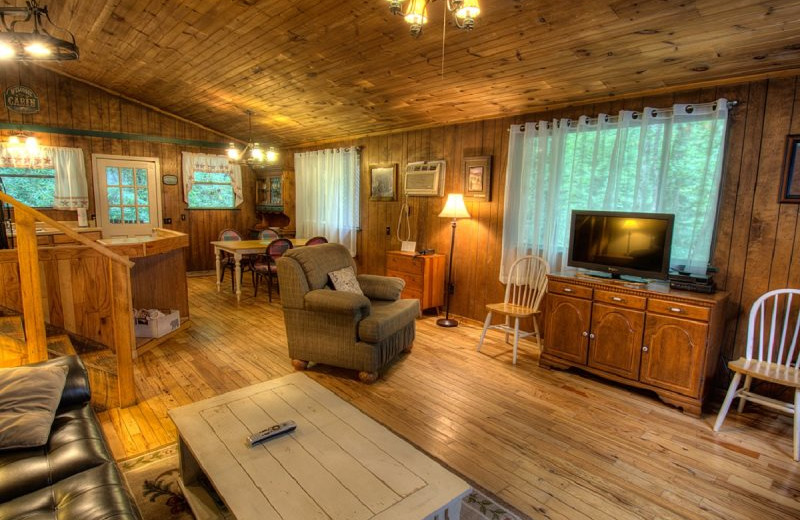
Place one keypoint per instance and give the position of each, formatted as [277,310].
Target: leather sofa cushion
[387,318]
[75,445]
[96,493]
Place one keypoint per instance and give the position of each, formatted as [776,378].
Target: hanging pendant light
[253,155]
[28,34]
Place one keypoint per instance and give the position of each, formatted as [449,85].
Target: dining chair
[316,240]
[527,283]
[265,266]
[227,261]
[267,234]
[772,355]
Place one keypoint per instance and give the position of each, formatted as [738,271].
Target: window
[32,186]
[211,181]
[127,195]
[211,190]
[663,160]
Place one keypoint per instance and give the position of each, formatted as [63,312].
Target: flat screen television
[619,243]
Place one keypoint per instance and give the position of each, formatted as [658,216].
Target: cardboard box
[155,328]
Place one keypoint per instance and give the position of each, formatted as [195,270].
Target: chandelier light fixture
[416,15]
[253,155]
[28,33]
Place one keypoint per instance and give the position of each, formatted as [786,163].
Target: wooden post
[31,288]
[124,341]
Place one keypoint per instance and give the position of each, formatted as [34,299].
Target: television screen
[621,243]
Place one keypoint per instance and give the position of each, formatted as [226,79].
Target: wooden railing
[116,272]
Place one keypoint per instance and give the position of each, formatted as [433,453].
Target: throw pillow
[345,280]
[29,397]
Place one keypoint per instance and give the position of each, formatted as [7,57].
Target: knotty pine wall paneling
[69,103]
[757,244]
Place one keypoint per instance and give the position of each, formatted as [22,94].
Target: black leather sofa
[73,476]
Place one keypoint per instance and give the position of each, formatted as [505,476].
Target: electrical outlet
[183,216]
[388,231]
[167,220]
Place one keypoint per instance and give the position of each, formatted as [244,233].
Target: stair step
[12,326]
[60,345]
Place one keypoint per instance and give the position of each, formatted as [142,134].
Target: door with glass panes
[127,197]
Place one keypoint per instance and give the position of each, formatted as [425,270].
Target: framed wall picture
[478,178]
[383,182]
[790,180]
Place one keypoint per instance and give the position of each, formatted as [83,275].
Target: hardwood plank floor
[551,444]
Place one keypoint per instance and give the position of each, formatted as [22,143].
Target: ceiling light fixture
[253,155]
[28,33]
[464,13]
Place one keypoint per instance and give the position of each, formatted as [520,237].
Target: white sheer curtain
[71,191]
[327,195]
[203,162]
[659,160]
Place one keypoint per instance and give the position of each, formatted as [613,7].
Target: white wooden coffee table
[337,464]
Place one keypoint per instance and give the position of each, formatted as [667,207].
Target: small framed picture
[478,178]
[383,182]
[790,180]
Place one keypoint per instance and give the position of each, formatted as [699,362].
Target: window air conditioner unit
[424,178]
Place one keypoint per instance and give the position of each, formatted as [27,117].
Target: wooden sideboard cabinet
[647,336]
[424,276]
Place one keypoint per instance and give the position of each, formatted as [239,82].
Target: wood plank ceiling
[315,70]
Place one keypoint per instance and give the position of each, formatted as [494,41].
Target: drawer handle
[618,299]
[567,289]
[676,309]
[644,348]
[585,334]
[591,336]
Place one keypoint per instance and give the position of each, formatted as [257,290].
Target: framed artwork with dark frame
[478,178]
[383,182]
[790,180]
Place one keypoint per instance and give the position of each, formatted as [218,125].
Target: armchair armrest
[377,287]
[76,388]
[338,302]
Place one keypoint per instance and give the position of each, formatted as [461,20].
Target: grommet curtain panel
[208,163]
[71,191]
[327,195]
[658,160]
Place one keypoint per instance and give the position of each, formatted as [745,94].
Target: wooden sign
[22,99]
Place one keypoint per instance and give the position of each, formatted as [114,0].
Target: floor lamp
[455,209]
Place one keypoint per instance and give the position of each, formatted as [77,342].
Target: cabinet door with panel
[672,354]
[615,340]
[567,328]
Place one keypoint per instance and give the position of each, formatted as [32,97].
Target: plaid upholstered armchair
[363,332]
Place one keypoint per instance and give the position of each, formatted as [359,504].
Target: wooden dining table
[240,248]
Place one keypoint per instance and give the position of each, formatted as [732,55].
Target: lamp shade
[454,207]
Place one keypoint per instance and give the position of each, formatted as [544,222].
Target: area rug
[153,481]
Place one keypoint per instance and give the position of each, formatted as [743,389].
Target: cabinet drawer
[405,264]
[578,291]
[683,310]
[622,300]
[413,281]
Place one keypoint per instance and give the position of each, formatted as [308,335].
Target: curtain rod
[730,104]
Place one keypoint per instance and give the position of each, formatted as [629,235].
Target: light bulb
[31,143]
[257,154]
[417,13]
[37,49]
[7,51]
[233,152]
[13,140]
[272,155]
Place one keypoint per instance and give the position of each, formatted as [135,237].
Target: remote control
[272,431]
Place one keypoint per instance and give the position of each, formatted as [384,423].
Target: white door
[127,195]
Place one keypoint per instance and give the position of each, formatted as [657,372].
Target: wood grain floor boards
[554,445]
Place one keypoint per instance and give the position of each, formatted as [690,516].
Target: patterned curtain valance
[23,157]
